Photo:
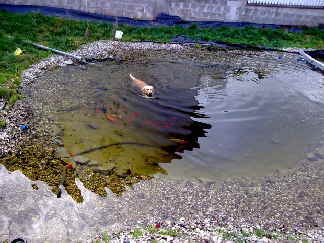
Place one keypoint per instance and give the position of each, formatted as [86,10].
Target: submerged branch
[117,144]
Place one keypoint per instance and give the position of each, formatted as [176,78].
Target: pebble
[182,219]
[311,157]
[319,152]
[68,62]
[58,142]
[2,105]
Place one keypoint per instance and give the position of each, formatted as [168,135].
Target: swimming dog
[147,90]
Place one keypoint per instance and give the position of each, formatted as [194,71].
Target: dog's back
[137,82]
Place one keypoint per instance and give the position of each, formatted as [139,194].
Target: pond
[246,115]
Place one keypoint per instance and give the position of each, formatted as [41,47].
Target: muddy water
[248,116]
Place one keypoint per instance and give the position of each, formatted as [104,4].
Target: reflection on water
[259,122]
[208,120]
[245,116]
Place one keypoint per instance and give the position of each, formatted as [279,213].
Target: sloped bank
[29,136]
[286,202]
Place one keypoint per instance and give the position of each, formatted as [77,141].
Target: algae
[38,161]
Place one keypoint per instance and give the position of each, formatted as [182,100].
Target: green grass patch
[106,237]
[137,233]
[68,35]
[10,95]
[3,124]
[169,232]
[245,236]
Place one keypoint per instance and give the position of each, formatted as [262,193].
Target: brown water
[248,116]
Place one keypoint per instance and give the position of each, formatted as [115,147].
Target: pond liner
[181,39]
[316,54]
[312,61]
[161,19]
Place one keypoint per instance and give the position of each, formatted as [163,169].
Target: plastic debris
[300,59]
[69,166]
[119,34]
[24,127]
[18,240]
[18,52]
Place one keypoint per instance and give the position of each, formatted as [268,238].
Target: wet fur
[147,90]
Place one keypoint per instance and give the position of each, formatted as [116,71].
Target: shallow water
[206,121]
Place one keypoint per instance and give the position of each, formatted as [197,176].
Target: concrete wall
[209,10]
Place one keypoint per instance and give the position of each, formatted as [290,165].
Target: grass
[253,234]
[68,35]
[105,237]
[169,232]
[3,124]
[137,233]
[245,236]
[9,94]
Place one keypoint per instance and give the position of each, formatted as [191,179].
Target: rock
[58,142]
[62,153]
[62,64]
[264,239]
[168,222]
[275,141]
[320,153]
[311,157]
[2,105]
[68,62]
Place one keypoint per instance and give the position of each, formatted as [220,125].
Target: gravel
[287,203]
[21,113]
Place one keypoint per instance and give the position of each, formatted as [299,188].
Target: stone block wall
[205,10]
[199,10]
[138,9]
[279,15]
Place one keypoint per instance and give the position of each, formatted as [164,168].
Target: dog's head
[148,90]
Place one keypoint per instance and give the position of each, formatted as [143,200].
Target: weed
[197,45]
[12,100]
[137,233]
[151,229]
[6,93]
[3,124]
[105,237]
[169,232]
[9,94]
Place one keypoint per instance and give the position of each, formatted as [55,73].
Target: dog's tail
[132,77]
